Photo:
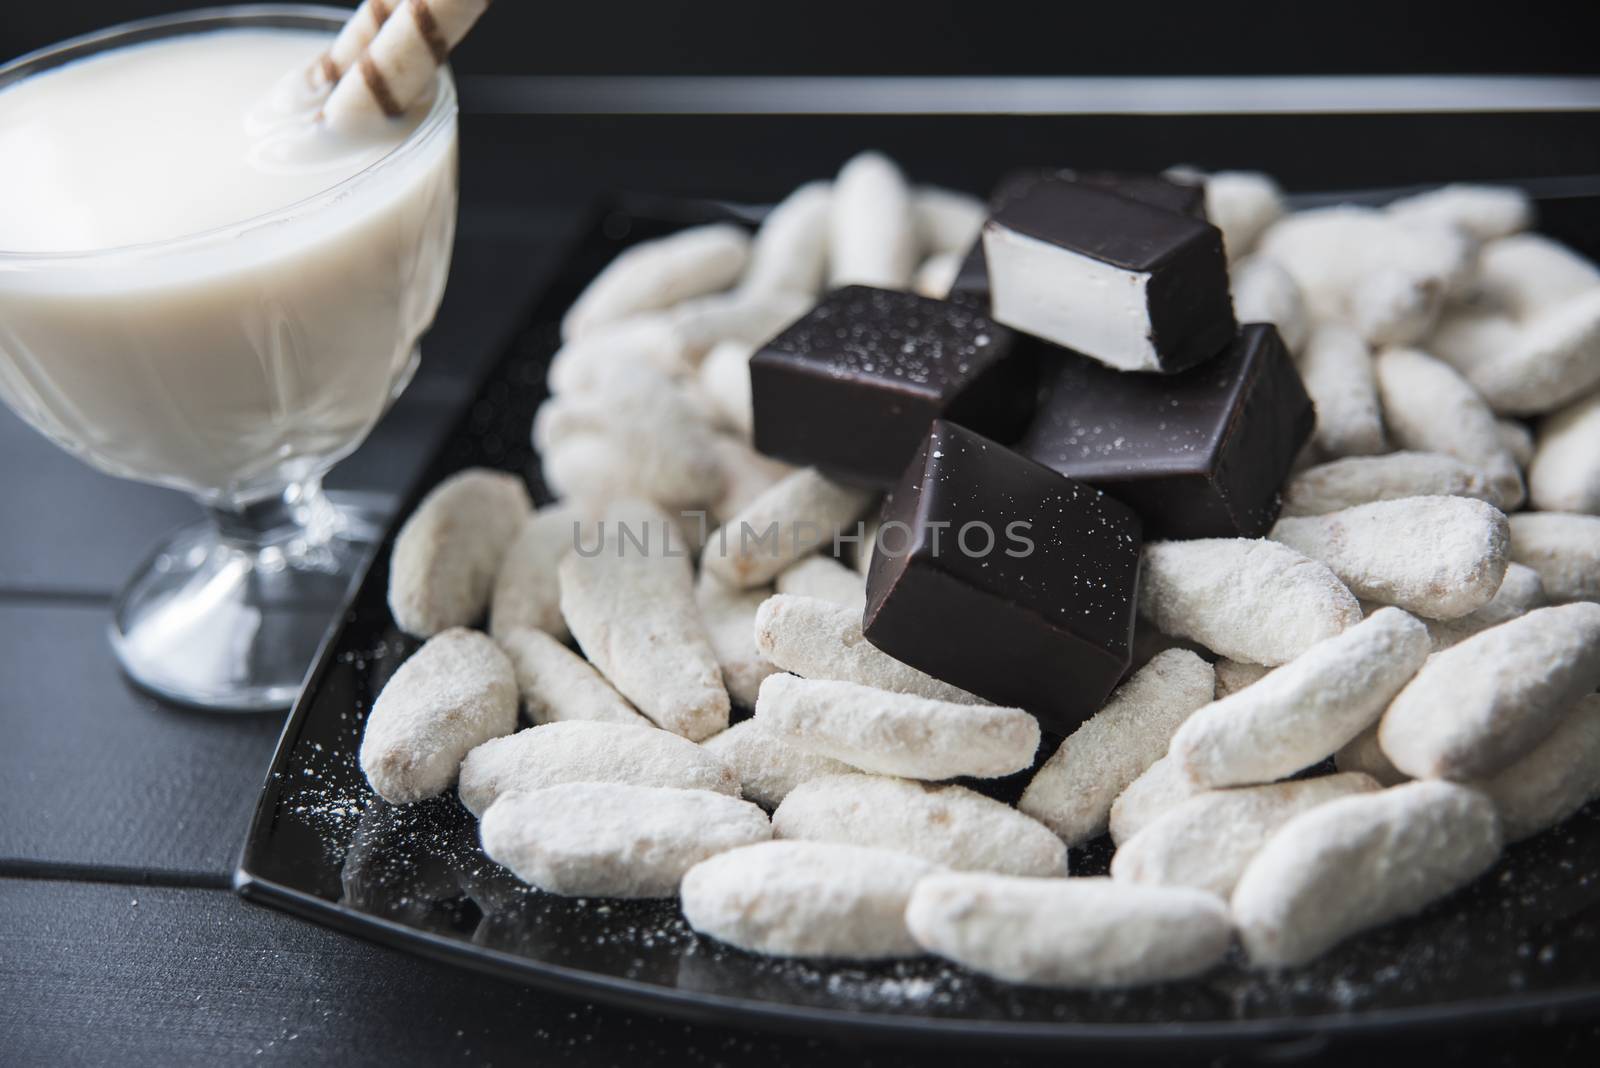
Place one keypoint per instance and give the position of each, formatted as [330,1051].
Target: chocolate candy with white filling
[1004,578]
[1201,454]
[1152,189]
[1136,287]
[851,387]
[972,280]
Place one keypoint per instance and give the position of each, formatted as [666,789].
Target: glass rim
[440,113]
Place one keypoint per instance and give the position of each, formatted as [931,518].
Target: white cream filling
[1071,299]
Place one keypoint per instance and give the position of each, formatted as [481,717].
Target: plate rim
[704,1007]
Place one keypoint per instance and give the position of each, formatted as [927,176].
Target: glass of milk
[203,288]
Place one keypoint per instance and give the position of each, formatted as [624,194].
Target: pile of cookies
[933,487]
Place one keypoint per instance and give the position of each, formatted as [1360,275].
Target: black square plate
[1522,942]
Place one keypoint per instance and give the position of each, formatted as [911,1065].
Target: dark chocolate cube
[1199,454]
[853,385]
[1136,287]
[972,280]
[1042,618]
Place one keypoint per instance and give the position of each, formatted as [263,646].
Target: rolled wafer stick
[1565,472]
[661,276]
[826,578]
[1242,204]
[1564,549]
[895,733]
[724,379]
[728,615]
[769,765]
[806,899]
[1336,367]
[746,475]
[630,603]
[790,251]
[1074,791]
[1429,407]
[610,839]
[1208,840]
[1263,292]
[1484,212]
[949,825]
[1234,675]
[872,236]
[1163,786]
[947,221]
[1557,778]
[1483,704]
[1305,710]
[1520,592]
[559,686]
[1360,861]
[937,275]
[399,62]
[785,524]
[578,751]
[526,593]
[1525,274]
[1440,557]
[447,555]
[455,693]
[1517,438]
[1069,933]
[1467,336]
[589,364]
[705,320]
[357,32]
[1363,753]
[1256,601]
[818,639]
[1354,480]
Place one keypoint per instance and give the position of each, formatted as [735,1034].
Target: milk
[152,321]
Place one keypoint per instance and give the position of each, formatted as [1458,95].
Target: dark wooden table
[121,817]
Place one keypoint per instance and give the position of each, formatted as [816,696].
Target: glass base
[228,614]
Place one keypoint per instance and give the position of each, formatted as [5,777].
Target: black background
[969,36]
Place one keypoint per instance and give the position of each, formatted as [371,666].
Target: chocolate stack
[1084,386]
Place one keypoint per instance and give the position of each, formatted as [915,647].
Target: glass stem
[302,510]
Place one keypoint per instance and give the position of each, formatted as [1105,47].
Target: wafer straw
[353,39]
[398,64]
